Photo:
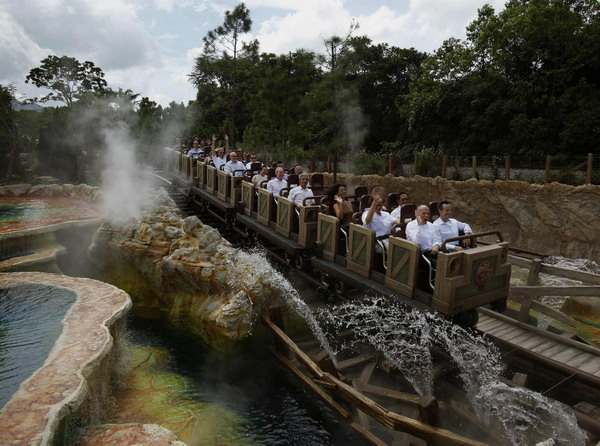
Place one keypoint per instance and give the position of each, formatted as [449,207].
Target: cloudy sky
[149,45]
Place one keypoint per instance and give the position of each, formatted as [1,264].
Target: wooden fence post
[547,170]
[414,163]
[590,165]
[474,173]
[444,165]
[507,167]
[389,163]
[276,315]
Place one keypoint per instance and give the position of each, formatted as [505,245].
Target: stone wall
[554,219]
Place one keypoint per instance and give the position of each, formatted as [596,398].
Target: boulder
[186,269]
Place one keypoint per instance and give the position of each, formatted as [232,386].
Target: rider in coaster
[422,232]
[450,227]
[378,220]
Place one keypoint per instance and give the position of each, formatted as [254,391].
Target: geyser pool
[30,323]
[18,213]
[242,397]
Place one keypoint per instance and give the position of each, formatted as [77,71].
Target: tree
[224,64]
[68,79]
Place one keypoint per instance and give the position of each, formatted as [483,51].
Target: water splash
[254,262]
[406,339]
[402,337]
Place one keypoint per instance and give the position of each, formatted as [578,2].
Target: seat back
[361,250]
[293,180]
[248,197]
[317,182]
[271,173]
[364,202]
[328,228]
[359,191]
[433,210]
[407,212]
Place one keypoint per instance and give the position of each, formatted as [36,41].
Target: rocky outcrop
[555,219]
[83,191]
[184,268]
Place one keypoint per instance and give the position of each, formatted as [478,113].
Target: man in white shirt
[450,227]
[422,232]
[277,183]
[374,218]
[252,160]
[219,159]
[233,166]
[401,201]
[195,151]
[299,193]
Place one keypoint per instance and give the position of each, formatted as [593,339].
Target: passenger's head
[303,180]
[279,164]
[233,156]
[336,189]
[253,158]
[402,198]
[422,214]
[196,144]
[298,169]
[264,170]
[220,152]
[444,209]
[279,173]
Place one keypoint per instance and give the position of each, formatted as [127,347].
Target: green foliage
[368,163]
[68,79]
[426,163]
[525,81]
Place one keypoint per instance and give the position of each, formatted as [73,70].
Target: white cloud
[107,32]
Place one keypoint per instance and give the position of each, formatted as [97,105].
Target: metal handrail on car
[471,237]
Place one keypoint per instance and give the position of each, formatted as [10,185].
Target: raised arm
[376,200]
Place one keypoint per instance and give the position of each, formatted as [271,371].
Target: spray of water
[254,262]
[406,339]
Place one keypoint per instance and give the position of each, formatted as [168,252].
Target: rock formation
[184,268]
[555,219]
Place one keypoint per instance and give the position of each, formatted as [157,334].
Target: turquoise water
[30,323]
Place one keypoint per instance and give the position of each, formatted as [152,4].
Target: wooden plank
[363,418]
[324,396]
[391,393]
[367,372]
[521,339]
[571,274]
[399,422]
[566,355]
[502,330]
[591,367]
[490,325]
[580,360]
[357,360]
[533,342]
[551,336]
[518,336]
[543,346]
[581,290]
[553,350]
[289,344]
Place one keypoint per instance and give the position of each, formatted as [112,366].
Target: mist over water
[407,338]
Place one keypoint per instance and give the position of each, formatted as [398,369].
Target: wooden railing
[326,380]
[526,295]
